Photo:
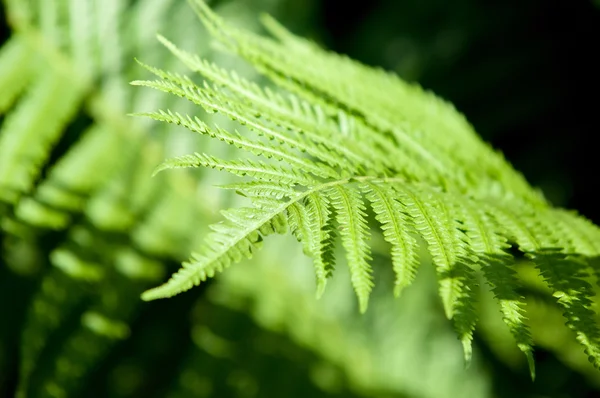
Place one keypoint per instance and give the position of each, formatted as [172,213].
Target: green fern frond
[428,128]
[321,234]
[397,227]
[252,168]
[212,101]
[258,148]
[15,71]
[249,115]
[450,254]
[230,241]
[495,263]
[264,189]
[354,233]
[290,112]
[341,139]
[565,273]
[28,132]
[584,237]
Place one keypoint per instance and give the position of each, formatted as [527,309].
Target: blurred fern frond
[80,217]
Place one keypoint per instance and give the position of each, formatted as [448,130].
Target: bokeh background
[84,229]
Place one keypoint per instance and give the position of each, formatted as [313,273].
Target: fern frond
[28,132]
[255,169]
[229,242]
[321,233]
[291,112]
[443,245]
[326,130]
[462,281]
[565,274]
[397,227]
[584,237]
[298,222]
[465,315]
[354,234]
[213,101]
[258,189]
[335,133]
[426,125]
[15,70]
[495,261]
[255,147]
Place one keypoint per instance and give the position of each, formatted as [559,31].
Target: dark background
[525,73]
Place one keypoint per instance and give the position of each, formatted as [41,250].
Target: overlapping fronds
[334,140]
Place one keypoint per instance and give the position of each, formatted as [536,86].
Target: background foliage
[84,229]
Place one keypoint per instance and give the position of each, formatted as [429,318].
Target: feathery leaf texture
[354,234]
[337,139]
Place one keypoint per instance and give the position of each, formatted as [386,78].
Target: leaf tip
[321,288]
[530,363]
[467,351]
[398,289]
[159,168]
[448,310]
[149,295]
[363,303]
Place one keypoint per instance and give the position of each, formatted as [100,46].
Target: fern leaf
[213,101]
[298,222]
[15,70]
[567,270]
[321,234]
[426,126]
[583,235]
[451,256]
[230,242]
[291,113]
[299,115]
[312,224]
[258,189]
[441,244]
[354,234]
[73,179]
[397,228]
[465,315]
[255,169]
[490,248]
[565,274]
[415,159]
[29,131]
[255,147]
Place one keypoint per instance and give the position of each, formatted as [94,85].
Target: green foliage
[334,141]
[84,229]
[79,216]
